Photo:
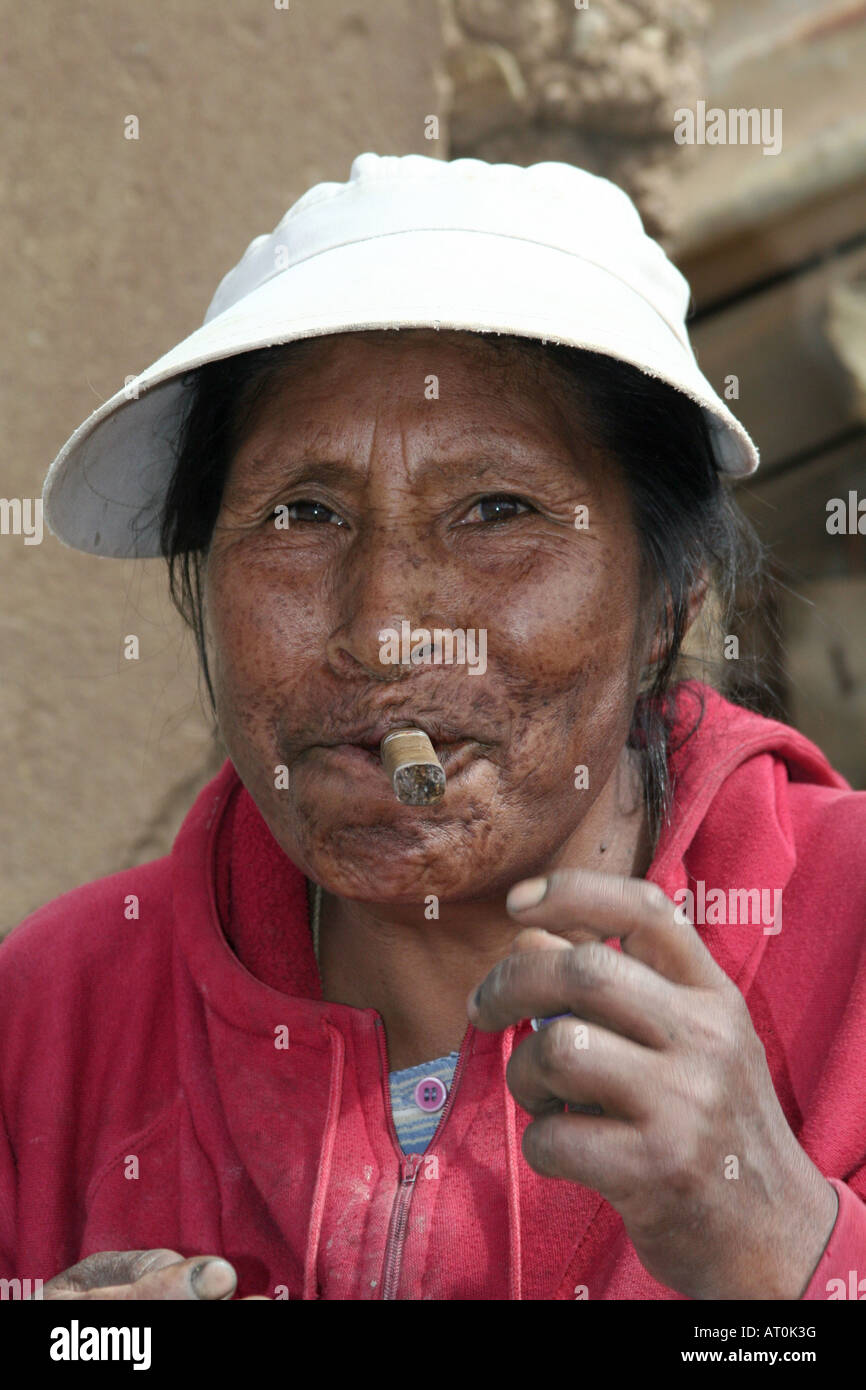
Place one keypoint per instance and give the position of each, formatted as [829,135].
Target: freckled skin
[294,617]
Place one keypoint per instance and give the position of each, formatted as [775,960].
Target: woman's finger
[592,981]
[209,1278]
[599,1152]
[571,902]
[580,1064]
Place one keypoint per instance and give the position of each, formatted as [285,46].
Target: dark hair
[688,524]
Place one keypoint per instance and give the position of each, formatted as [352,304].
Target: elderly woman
[589,1024]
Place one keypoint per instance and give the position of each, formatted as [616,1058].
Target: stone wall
[593,85]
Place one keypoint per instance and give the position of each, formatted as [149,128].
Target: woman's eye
[498,507]
[306,509]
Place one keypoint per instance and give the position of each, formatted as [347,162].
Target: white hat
[548,252]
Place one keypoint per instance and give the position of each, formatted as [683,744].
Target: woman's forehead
[496,353]
[450,376]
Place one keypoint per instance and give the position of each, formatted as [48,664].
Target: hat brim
[105,491]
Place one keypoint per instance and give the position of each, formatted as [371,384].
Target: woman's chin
[393,862]
[340,820]
[390,853]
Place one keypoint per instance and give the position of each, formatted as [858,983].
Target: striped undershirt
[415,1127]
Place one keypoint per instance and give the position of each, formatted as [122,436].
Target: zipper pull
[409,1165]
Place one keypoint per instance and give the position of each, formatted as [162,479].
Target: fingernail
[526,894]
[214,1279]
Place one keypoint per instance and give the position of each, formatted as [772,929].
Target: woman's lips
[453,757]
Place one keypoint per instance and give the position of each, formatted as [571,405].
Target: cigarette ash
[419,784]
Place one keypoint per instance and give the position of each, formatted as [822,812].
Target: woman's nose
[387,595]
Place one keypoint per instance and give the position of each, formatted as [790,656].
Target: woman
[588,1026]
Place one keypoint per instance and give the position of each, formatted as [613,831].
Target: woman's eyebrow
[479,466]
[273,472]
[306,470]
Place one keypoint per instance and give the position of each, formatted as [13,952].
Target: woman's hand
[692,1147]
[146,1274]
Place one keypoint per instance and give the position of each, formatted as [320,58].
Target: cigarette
[416,774]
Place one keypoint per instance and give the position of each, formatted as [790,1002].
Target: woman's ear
[697,597]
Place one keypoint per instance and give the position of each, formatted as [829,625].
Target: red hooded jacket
[173,1078]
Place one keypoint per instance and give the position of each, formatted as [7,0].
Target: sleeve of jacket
[841,1271]
[8,1190]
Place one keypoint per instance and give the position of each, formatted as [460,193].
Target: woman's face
[380,457]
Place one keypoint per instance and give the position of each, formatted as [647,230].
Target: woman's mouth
[453,754]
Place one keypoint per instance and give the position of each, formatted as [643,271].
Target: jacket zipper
[409,1165]
[397,1227]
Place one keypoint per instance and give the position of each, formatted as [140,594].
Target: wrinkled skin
[295,616]
[388,520]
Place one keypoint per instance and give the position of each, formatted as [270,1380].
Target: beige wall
[111,250]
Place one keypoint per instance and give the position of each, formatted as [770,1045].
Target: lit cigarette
[410,761]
